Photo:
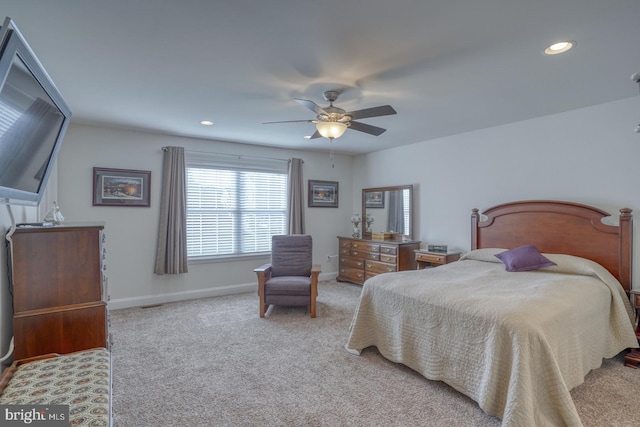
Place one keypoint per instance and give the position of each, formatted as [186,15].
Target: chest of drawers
[360,259]
[59,295]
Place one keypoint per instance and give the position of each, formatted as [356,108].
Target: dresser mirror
[387,209]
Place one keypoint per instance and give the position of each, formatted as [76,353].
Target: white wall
[131,231]
[588,156]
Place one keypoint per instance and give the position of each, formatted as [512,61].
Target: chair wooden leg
[263,308]
[312,309]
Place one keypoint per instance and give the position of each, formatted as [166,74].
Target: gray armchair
[291,278]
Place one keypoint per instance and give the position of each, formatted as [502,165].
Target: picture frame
[121,187]
[323,194]
[374,199]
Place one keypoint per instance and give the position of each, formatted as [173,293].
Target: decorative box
[385,235]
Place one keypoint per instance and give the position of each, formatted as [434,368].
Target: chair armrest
[264,273]
[315,268]
[263,268]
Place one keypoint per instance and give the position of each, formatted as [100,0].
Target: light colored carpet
[214,362]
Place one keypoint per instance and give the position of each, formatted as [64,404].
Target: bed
[515,342]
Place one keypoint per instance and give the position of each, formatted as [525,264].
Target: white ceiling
[447,66]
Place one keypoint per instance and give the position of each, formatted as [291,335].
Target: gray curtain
[396,212]
[295,197]
[171,250]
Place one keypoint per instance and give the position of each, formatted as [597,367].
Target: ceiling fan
[331,122]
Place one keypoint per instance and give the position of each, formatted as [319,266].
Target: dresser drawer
[365,255]
[432,259]
[344,244]
[391,259]
[436,259]
[390,250]
[364,246]
[352,262]
[379,267]
[352,274]
[369,274]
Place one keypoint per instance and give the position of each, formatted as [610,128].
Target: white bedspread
[516,343]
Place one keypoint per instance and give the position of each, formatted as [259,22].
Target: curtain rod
[239,156]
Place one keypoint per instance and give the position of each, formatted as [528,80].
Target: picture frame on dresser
[323,194]
[121,187]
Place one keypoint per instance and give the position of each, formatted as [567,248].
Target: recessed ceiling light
[559,47]
[307,137]
[206,123]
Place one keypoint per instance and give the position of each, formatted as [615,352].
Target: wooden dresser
[59,295]
[360,259]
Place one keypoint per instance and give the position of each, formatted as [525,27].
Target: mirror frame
[366,234]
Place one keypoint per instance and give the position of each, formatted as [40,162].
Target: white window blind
[234,205]
[8,117]
[406,209]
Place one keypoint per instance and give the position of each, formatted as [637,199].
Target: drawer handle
[356,253]
[390,269]
[359,264]
[355,245]
[359,275]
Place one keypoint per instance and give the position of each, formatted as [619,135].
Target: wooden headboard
[559,227]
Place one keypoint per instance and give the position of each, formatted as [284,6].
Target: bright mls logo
[34,415]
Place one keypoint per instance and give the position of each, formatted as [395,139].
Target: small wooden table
[426,259]
[632,359]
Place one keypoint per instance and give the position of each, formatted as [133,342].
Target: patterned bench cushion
[80,380]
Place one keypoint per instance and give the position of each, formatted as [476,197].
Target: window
[406,210]
[234,206]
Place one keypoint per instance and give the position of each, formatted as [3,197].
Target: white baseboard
[142,301]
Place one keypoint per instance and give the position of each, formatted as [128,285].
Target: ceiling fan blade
[315,135]
[311,106]
[290,121]
[363,127]
[383,110]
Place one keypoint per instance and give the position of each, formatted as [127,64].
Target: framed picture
[374,199]
[121,187]
[323,194]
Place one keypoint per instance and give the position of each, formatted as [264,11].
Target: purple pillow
[524,258]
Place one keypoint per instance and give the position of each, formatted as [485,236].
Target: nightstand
[632,359]
[426,259]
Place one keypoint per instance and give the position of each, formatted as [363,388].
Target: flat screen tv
[33,120]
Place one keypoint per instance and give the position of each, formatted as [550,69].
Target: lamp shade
[331,129]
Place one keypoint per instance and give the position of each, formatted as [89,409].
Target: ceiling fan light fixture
[331,129]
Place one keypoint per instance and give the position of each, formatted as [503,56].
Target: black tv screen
[33,120]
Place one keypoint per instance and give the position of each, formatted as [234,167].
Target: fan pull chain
[331,153]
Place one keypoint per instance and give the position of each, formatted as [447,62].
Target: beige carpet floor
[214,362]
